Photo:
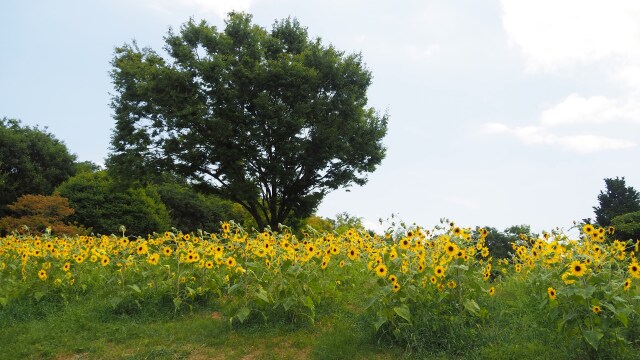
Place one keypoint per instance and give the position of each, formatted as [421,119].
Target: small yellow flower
[552,293]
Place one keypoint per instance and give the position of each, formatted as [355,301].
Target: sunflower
[353,254]
[518,268]
[577,268]
[208,264]
[588,229]
[433,279]
[439,271]
[186,237]
[627,285]
[552,293]
[393,278]
[226,227]
[596,309]
[105,261]
[451,249]
[66,267]
[451,284]
[231,262]
[381,270]
[167,251]
[42,274]
[405,244]
[142,249]
[634,270]
[611,230]
[396,287]
[341,263]
[492,291]
[484,252]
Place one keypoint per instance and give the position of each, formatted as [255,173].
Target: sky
[501,112]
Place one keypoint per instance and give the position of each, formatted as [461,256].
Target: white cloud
[576,109]
[558,33]
[538,135]
[219,8]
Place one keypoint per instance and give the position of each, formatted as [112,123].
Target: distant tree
[318,223]
[627,226]
[618,199]
[102,204]
[345,221]
[190,210]
[32,161]
[272,120]
[39,212]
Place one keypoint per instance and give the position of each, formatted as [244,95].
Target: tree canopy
[104,205]
[618,199]
[32,161]
[272,120]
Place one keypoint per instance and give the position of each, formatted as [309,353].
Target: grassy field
[414,293]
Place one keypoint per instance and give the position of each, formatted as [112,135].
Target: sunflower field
[435,291]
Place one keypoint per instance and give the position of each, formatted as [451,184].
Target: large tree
[32,161]
[618,199]
[272,120]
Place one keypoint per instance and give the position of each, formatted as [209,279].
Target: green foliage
[618,199]
[102,204]
[190,210]
[32,161]
[270,120]
[627,226]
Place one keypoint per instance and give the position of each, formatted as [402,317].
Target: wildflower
[627,285]
[552,293]
[208,264]
[588,229]
[226,227]
[396,287]
[596,309]
[66,267]
[634,270]
[492,291]
[167,251]
[142,249]
[439,271]
[577,268]
[381,270]
[42,274]
[451,284]
[231,262]
[104,261]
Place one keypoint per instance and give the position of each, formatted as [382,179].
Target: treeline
[42,185]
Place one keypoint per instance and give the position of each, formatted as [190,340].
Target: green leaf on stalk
[262,294]
[381,321]
[403,311]
[472,306]
[135,288]
[243,313]
[593,337]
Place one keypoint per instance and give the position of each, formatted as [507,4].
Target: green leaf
[288,303]
[381,321]
[403,311]
[472,306]
[38,295]
[622,317]
[243,313]
[593,337]
[135,288]
[262,294]
[177,302]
